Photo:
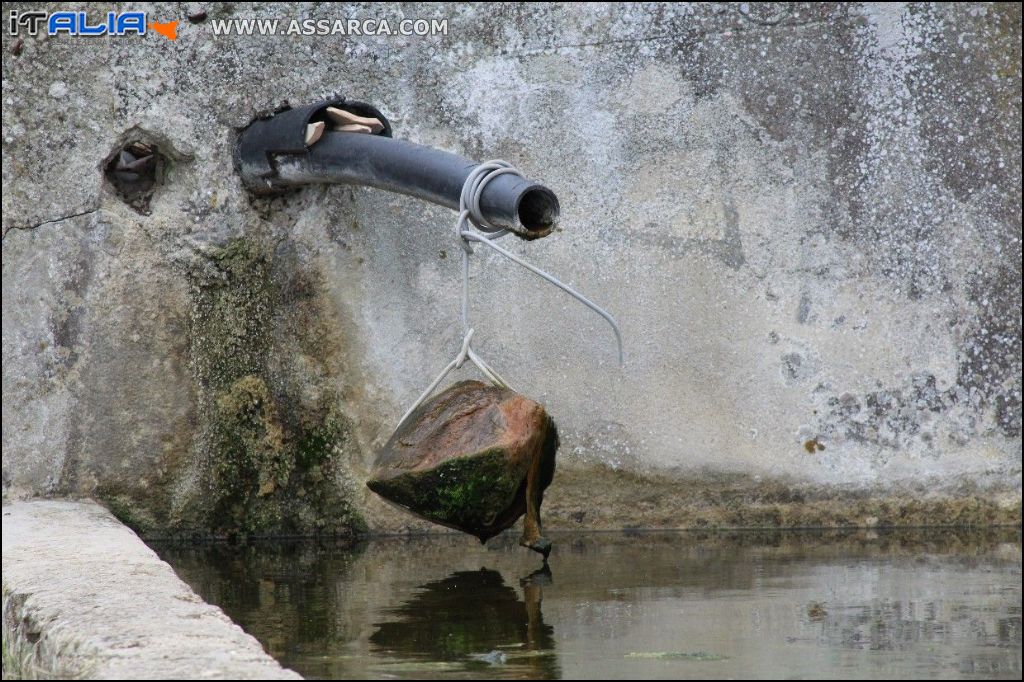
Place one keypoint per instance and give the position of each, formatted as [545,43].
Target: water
[936,603]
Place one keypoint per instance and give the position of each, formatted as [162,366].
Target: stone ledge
[94,601]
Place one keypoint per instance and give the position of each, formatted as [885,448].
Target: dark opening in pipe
[538,209]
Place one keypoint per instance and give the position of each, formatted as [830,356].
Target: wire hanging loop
[465,353]
[485,232]
[469,212]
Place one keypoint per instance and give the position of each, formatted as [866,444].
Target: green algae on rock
[474,458]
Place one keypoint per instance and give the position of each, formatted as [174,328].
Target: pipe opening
[538,211]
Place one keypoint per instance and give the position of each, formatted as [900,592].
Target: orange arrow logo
[167,29]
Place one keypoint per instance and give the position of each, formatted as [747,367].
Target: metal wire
[485,233]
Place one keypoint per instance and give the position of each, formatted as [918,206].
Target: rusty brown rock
[474,458]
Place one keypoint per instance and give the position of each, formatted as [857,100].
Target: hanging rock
[474,458]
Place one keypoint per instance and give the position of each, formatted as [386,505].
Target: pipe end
[537,210]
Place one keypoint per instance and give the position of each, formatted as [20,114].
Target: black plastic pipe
[272,156]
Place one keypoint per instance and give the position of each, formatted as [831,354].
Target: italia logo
[81,24]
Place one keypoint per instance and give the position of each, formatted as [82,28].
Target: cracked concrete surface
[805,216]
[47,222]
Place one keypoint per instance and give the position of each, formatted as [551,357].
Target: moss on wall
[268,462]
[271,478]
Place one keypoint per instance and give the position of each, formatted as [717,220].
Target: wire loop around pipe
[471,216]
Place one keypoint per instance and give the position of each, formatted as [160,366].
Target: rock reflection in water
[473,618]
[847,604]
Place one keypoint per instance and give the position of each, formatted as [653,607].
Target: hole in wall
[134,171]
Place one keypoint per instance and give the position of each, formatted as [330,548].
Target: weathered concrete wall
[91,600]
[806,217]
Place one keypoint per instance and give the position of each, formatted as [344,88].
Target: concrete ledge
[92,600]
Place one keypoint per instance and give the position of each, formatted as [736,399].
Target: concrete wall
[806,218]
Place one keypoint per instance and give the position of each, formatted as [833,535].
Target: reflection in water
[283,593]
[473,616]
[855,604]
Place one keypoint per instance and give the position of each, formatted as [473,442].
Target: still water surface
[924,603]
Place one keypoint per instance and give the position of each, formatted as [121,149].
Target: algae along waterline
[857,604]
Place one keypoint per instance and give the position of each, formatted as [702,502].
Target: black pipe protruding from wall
[272,156]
